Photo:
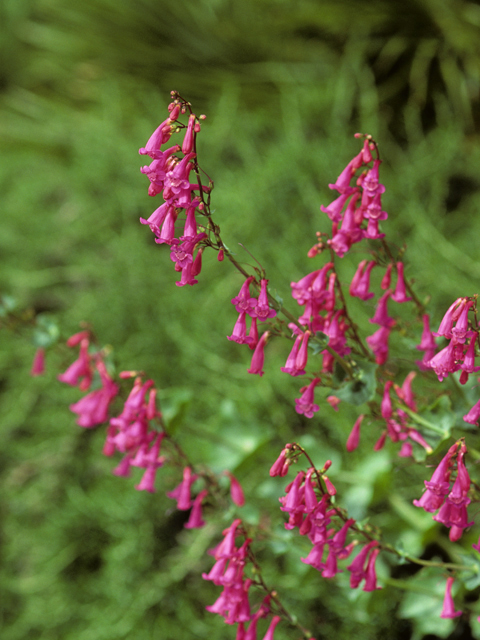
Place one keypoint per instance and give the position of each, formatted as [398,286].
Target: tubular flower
[448,610]
[305,404]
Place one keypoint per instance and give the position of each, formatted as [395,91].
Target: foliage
[84,554]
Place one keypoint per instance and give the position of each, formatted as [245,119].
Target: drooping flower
[244,301]
[195,520]
[258,356]
[305,404]
[354,437]
[236,491]
[38,366]
[378,343]
[400,294]
[448,610]
[262,308]
[182,492]
[80,372]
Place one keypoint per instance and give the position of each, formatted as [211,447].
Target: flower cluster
[450,499]
[318,520]
[228,572]
[169,175]
[458,354]
[134,431]
[258,309]
[93,408]
[397,427]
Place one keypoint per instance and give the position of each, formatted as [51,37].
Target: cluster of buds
[317,519]
[450,499]
[169,175]
[134,432]
[228,572]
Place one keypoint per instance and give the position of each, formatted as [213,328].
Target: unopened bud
[221,255]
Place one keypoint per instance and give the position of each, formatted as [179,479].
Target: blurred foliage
[284,85]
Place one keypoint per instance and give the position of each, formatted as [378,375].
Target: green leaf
[362,389]
[46,332]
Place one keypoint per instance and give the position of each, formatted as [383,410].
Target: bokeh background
[285,85]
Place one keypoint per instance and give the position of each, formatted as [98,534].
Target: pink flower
[262,309]
[182,492]
[243,301]
[236,491]
[448,610]
[445,328]
[333,401]
[334,208]
[258,357]
[381,316]
[239,333]
[271,628]
[195,520]
[370,573]
[361,281]
[290,365]
[378,343]
[354,437]
[305,403]
[356,568]
[79,373]
[400,294]
[188,140]
[385,284]
[281,464]
[38,366]
[473,416]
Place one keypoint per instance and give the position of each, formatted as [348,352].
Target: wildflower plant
[335,359]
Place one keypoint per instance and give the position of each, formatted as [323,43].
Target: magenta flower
[439,484]
[445,328]
[356,568]
[343,181]
[262,309]
[361,281]
[400,294]
[385,284]
[79,373]
[182,492]
[236,491]
[305,405]
[448,610]
[290,365]
[281,464]
[240,330]
[38,366]
[258,357]
[354,437]
[473,416]
[92,409]
[334,208]
[378,343]
[187,145]
[243,301]
[271,628]
[370,573]
[195,520]
[381,316]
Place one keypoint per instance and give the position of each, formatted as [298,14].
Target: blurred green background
[284,85]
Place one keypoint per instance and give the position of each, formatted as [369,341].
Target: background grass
[284,85]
